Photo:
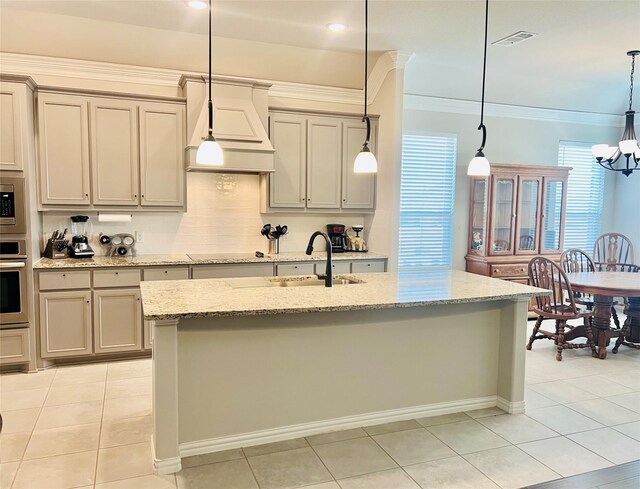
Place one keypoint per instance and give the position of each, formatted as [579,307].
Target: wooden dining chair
[526,242]
[560,305]
[631,313]
[576,260]
[611,249]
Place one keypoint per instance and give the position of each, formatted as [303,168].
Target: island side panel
[511,365]
[239,376]
[165,396]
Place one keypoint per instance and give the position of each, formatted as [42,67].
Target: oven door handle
[13,264]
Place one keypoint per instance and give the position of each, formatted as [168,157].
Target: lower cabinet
[287,269]
[233,270]
[117,320]
[65,324]
[362,266]
[14,346]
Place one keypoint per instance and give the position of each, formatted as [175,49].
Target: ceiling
[577,62]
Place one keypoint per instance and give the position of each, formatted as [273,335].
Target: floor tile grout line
[95,470]
[323,464]
[32,430]
[597,454]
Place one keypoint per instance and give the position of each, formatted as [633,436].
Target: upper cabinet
[161,153]
[63,144]
[106,152]
[16,99]
[314,157]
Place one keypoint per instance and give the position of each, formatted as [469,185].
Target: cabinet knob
[166,271]
[116,273]
[64,274]
[87,302]
[138,299]
[86,195]
[135,196]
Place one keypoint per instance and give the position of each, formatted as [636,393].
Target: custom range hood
[240,121]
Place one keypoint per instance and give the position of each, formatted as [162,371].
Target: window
[427,191]
[585,192]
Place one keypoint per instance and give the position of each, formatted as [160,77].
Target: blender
[81,228]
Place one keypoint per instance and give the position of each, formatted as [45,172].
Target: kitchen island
[246,361]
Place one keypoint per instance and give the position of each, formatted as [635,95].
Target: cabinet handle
[166,271]
[87,302]
[86,195]
[116,273]
[64,274]
[142,196]
[138,299]
[135,196]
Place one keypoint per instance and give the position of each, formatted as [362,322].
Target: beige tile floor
[89,427]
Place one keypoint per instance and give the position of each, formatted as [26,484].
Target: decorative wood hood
[240,122]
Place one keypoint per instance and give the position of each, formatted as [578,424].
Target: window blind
[585,192]
[426,201]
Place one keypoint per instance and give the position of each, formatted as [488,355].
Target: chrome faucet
[328,282]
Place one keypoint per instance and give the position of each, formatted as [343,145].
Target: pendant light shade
[210,152]
[479,165]
[366,161]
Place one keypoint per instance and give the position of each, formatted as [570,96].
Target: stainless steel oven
[14,307]
[12,205]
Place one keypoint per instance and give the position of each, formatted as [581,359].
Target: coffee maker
[338,237]
[81,228]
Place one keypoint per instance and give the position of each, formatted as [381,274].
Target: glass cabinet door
[503,213]
[552,216]
[527,216]
[479,189]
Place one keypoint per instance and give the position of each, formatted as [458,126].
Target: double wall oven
[14,305]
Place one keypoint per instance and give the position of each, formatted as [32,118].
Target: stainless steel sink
[303,282]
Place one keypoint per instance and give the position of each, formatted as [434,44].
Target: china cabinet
[516,213]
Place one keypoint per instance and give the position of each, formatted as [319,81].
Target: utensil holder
[274,246]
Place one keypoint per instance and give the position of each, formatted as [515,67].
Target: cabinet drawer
[116,278]
[337,267]
[362,266]
[65,280]
[295,269]
[509,270]
[228,271]
[173,273]
[14,346]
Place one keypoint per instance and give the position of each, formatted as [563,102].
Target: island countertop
[259,296]
[195,259]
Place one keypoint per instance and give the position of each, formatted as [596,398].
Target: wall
[510,140]
[627,201]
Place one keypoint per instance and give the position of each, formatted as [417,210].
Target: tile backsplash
[223,216]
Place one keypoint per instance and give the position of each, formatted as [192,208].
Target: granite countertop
[194,259]
[258,296]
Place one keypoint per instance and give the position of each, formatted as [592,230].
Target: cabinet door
[554,197]
[502,218]
[324,163]
[527,215]
[288,134]
[358,189]
[162,155]
[63,135]
[232,270]
[117,320]
[65,324]
[478,215]
[11,137]
[114,152]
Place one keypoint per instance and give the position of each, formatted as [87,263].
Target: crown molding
[468,107]
[388,61]
[94,70]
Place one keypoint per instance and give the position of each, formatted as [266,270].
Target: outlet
[139,236]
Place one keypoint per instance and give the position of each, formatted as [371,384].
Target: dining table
[604,286]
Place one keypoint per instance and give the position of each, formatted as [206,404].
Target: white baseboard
[166,466]
[306,429]
[510,407]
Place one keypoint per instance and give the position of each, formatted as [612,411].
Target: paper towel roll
[114,217]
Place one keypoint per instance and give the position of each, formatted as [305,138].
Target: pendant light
[628,145]
[479,165]
[210,152]
[366,161]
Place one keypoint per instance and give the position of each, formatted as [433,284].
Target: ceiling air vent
[514,38]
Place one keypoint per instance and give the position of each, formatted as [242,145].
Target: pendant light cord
[366,71]
[210,103]
[484,76]
[633,68]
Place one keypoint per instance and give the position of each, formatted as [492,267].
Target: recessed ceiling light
[197,4]
[336,27]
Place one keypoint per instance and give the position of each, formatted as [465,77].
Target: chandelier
[607,156]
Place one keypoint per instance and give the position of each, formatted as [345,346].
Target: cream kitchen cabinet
[114,152]
[314,163]
[63,145]
[65,324]
[232,270]
[117,320]
[14,346]
[162,143]
[16,106]
[109,152]
[324,163]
